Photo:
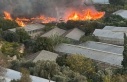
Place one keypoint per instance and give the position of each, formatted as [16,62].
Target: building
[11,74]
[32,29]
[99,55]
[56,31]
[116,29]
[110,37]
[74,34]
[100,1]
[122,13]
[45,55]
[103,47]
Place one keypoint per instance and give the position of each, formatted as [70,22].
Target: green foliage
[115,20]
[15,80]
[10,49]
[22,34]
[87,26]
[25,76]
[16,65]
[124,62]
[46,69]
[43,43]
[59,39]
[117,2]
[61,60]
[29,45]
[48,28]
[80,64]
[88,38]
[7,24]
[10,36]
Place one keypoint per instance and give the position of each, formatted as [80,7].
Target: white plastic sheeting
[107,57]
[104,47]
[11,74]
[109,36]
[122,13]
[116,29]
[100,1]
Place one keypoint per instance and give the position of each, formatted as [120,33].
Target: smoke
[30,8]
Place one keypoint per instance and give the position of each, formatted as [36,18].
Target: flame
[44,19]
[19,22]
[88,14]
[74,16]
[7,16]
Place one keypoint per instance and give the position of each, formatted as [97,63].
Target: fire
[88,14]
[74,16]
[19,22]
[44,19]
[7,16]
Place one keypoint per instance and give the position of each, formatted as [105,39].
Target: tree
[80,64]
[10,49]
[43,43]
[3,63]
[10,36]
[7,24]
[46,69]
[124,62]
[23,35]
[25,76]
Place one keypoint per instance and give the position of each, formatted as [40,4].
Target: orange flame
[19,22]
[44,19]
[88,14]
[7,16]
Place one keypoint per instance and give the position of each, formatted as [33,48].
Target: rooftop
[108,34]
[30,27]
[100,1]
[74,34]
[103,56]
[104,47]
[46,55]
[116,29]
[122,13]
[55,31]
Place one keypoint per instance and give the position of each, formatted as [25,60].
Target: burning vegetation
[87,14]
[23,21]
[55,11]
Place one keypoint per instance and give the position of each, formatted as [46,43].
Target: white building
[100,1]
[116,29]
[103,56]
[11,74]
[56,31]
[32,29]
[110,37]
[122,13]
[74,34]
[46,55]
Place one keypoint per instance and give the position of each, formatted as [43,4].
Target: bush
[7,24]
[88,38]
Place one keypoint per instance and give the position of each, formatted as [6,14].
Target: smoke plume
[30,8]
